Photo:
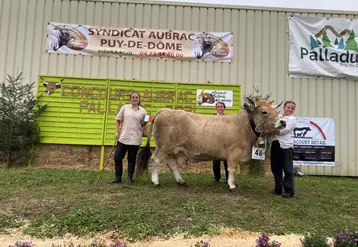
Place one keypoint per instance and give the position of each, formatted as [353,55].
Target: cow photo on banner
[139,42]
[314,142]
[323,47]
[211,97]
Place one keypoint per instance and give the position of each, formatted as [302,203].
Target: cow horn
[277,106]
[250,100]
[44,82]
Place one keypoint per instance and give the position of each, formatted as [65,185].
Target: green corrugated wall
[82,111]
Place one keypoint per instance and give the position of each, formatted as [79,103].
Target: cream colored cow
[182,136]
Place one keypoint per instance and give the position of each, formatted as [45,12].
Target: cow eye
[264,112]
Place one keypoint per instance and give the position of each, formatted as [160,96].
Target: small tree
[19,130]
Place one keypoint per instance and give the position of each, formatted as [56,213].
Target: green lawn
[53,202]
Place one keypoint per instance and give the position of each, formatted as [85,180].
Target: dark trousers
[282,160]
[119,154]
[216,170]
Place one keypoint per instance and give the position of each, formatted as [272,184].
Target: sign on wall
[323,46]
[139,42]
[314,142]
[211,97]
[83,110]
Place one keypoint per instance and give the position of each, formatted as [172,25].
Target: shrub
[314,240]
[202,244]
[346,239]
[95,243]
[22,244]
[18,114]
[263,241]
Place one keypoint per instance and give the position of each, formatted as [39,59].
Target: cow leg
[232,172]
[172,164]
[156,160]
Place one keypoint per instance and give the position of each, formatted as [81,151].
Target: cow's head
[263,114]
[51,86]
[65,37]
[206,98]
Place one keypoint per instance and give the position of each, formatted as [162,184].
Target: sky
[345,5]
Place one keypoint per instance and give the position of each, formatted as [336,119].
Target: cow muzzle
[280,124]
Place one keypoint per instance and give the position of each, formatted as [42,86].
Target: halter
[253,126]
[256,128]
[258,132]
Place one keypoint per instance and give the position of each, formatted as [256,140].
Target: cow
[59,38]
[206,98]
[301,132]
[182,136]
[51,86]
[203,46]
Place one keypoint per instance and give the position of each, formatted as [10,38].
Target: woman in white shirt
[282,153]
[129,136]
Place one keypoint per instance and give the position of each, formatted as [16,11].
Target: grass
[53,202]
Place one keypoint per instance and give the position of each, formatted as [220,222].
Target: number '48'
[258,152]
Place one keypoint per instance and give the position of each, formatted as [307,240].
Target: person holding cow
[129,136]
[220,108]
[282,153]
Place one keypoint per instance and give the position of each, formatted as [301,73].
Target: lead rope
[265,139]
[257,127]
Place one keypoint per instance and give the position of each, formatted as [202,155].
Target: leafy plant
[263,241]
[22,244]
[119,244]
[315,240]
[18,114]
[202,244]
[346,239]
[102,243]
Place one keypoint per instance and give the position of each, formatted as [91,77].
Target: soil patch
[227,238]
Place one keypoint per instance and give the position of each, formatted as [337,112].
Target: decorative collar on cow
[253,126]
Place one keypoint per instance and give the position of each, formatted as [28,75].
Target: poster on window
[314,142]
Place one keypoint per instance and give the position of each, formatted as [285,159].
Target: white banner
[211,97]
[139,42]
[314,142]
[323,47]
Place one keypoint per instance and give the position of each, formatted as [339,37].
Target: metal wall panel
[260,56]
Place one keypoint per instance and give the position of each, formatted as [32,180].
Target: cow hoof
[181,183]
[232,189]
[156,185]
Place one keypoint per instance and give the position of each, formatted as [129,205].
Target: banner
[314,142]
[138,42]
[323,47]
[211,97]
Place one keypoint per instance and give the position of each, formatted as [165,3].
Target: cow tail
[145,153]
